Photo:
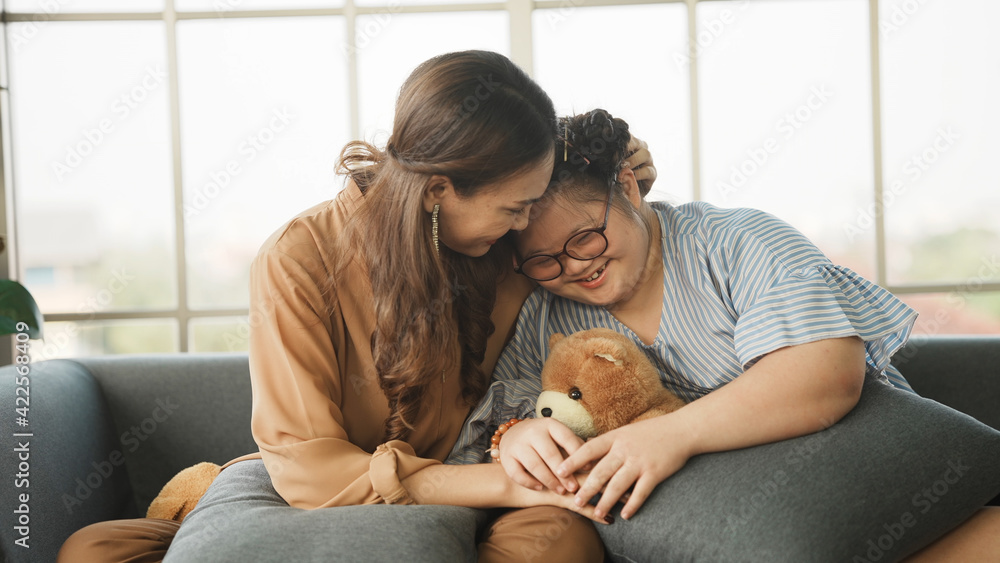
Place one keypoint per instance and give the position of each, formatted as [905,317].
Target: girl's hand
[640,160]
[639,455]
[522,497]
[530,452]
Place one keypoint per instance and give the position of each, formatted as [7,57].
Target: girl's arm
[789,392]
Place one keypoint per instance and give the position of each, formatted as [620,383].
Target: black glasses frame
[565,251]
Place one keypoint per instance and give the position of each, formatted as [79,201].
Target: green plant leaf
[17,305]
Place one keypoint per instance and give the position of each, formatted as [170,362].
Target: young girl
[766,339]
[375,320]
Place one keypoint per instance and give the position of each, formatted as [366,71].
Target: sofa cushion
[895,473]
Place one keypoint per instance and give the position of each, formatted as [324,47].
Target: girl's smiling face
[611,277]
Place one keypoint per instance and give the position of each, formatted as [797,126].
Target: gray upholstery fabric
[241,518]
[99,452]
[71,477]
[895,473]
[962,372]
[172,411]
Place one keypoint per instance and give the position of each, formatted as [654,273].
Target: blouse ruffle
[825,301]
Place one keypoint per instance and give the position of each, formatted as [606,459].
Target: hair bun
[600,124]
[600,138]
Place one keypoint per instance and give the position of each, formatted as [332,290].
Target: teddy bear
[597,380]
[182,492]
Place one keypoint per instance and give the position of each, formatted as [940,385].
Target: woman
[375,321]
[768,342]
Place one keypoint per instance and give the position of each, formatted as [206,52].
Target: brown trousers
[543,533]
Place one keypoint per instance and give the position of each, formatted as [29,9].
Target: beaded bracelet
[495,440]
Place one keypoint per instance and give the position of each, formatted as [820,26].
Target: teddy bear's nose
[546,412]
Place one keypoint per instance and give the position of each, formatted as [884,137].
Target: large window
[150,146]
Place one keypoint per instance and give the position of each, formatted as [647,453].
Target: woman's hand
[639,455]
[530,452]
[640,161]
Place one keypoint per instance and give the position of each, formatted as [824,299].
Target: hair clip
[565,140]
[566,145]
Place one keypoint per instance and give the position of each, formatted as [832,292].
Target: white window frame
[520,16]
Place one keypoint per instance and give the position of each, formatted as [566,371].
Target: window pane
[940,86]
[786,117]
[263,118]
[580,60]
[231,5]
[220,334]
[388,49]
[95,338]
[74,6]
[92,167]
[963,311]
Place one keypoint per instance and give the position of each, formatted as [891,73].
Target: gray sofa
[108,432]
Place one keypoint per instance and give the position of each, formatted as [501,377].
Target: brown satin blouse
[318,410]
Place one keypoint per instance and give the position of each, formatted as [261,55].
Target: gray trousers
[242,518]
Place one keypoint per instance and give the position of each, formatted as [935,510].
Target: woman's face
[604,280]
[472,224]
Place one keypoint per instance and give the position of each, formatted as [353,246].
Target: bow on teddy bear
[593,381]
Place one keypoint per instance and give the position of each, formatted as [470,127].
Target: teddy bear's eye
[575,394]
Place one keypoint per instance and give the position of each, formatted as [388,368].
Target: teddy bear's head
[595,381]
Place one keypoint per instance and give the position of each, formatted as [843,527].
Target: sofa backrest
[962,372]
[172,411]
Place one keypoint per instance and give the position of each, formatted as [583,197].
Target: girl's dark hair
[589,154]
[477,118]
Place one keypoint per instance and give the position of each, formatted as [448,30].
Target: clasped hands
[624,465]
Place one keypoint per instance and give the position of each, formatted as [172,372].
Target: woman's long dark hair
[477,118]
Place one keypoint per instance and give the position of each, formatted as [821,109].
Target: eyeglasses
[584,245]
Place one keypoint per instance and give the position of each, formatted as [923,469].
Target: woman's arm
[789,392]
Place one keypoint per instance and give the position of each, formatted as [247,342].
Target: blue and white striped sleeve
[786,292]
[514,390]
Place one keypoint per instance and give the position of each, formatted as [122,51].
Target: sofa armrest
[67,466]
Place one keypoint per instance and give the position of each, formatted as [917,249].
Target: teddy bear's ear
[609,358]
[556,337]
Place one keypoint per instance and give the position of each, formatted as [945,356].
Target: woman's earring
[434,227]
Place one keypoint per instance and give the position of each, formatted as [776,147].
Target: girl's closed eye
[519,210]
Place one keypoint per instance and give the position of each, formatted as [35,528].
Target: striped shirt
[738,283]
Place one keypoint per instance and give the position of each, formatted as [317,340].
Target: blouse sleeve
[296,419]
[515,387]
[786,292]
